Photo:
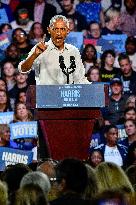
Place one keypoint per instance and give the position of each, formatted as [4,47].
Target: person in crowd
[22,19]
[92,187]
[22,114]
[3,193]
[42,12]
[72,179]
[4,101]
[89,56]
[12,54]
[20,86]
[131,101]
[54,72]
[20,38]
[127,74]
[3,85]
[69,11]
[95,157]
[36,33]
[114,112]
[21,97]
[5,13]
[37,178]
[5,27]
[12,175]
[9,74]
[5,137]
[112,22]
[131,158]
[107,70]
[130,46]
[72,25]
[30,194]
[130,128]
[131,173]
[111,149]
[93,74]
[129,114]
[93,31]
[127,18]
[112,177]
[91,10]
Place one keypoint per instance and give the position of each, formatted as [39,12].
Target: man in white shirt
[55,62]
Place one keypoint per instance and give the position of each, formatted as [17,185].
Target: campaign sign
[3,16]
[4,41]
[6,117]
[90,41]
[14,156]
[75,39]
[23,130]
[118,41]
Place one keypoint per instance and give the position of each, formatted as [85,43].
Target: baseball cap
[116,80]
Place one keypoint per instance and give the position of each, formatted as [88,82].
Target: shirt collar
[52,46]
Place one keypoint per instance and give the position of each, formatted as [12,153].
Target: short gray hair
[55,18]
[37,178]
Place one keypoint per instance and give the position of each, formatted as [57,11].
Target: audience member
[108,71]
[42,12]
[112,22]
[3,85]
[69,11]
[94,31]
[111,149]
[9,74]
[95,157]
[112,177]
[36,178]
[3,194]
[4,102]
[127,74]
[127,18]
[22,19]
[114,112]
[93,74]
[131,173]
[89,56]
[5,27]
[30,194]
[131,101]
[72,179]
[36,33]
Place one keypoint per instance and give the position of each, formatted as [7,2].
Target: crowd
[109,173]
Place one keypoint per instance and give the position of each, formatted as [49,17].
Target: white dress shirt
[49,69]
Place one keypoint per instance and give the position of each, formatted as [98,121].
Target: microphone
[62,64]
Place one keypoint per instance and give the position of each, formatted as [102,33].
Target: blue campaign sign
[6,117]
[75,39]
[118,41]
[4,41]
[14,156]
[23,130]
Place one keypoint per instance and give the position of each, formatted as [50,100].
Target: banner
[118,41]
[75,39]
[14,156]
[3,16]
[6,117]
[23,130]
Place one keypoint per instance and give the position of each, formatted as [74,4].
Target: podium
[67,114]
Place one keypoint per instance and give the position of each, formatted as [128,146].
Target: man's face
[125,66]
[67,5]
[130,48]
[95,30]
[21,78]
[130,115]
[116,88]
[130,128]
[58,32]
[112,136]
[12,52]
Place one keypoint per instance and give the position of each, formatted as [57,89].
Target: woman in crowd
[4,102]
[5,27]
[111,176]
[107,70]
[131,101]
[89,56]
[95,158]
[112,22]
[36,33]
[93,74]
